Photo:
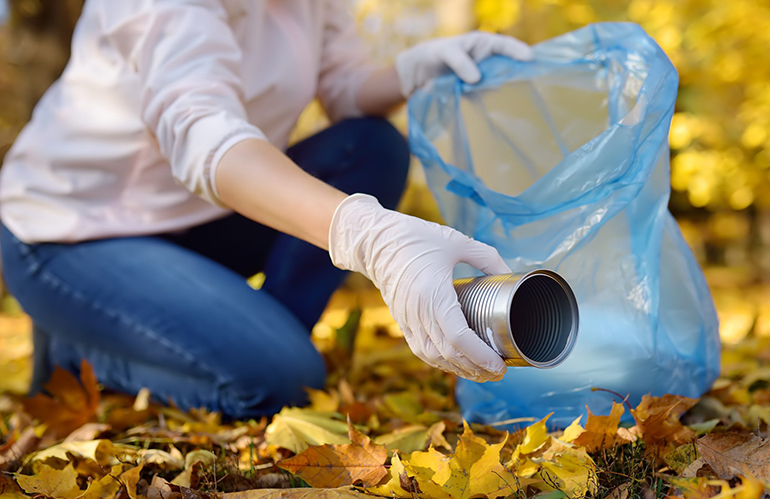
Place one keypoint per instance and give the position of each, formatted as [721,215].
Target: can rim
[574,326]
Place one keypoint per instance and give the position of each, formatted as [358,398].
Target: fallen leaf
[694,468]
[406,440]
[472,470]
[161,489]
[620,492]
[129,479]
[567,468]
[71,403]
[657,420]
[106,487]
[696,488]
[573,431]
[295,429]
[50,482]
[142,400]
[682,457]
[322,401]
[401,483]
[10,489]
[535,437]
[103,452]
[340,493]
[330,466]
[600,431]
[436,436]
[88,431]
[164,460]
[733,454]
[194,463]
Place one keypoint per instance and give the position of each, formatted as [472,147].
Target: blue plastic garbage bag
[563,163]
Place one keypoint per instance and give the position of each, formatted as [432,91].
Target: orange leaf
[657,419]
[328,466]
[71,403]
[601,431]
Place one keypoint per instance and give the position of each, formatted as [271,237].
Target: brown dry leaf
[733,454]
[50,482]
[71,404]
[600,431]
[330,466]
[340,493]
[161,489]
[657,421]
[620,492]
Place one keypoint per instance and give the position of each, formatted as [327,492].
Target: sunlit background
[720,135]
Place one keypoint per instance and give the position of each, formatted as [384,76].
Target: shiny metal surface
[529,319]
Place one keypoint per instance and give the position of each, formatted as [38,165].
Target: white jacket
[156,91]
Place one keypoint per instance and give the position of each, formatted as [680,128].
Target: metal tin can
[529,320]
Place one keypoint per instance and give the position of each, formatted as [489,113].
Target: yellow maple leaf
[50,482]
[573,431]
[535,437]
[398,476]
[472,470]
[106,487]
[567,468]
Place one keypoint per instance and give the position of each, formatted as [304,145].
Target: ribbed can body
[528,319]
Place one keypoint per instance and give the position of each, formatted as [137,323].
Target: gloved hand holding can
[410,261]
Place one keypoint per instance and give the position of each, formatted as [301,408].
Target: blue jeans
[173,312]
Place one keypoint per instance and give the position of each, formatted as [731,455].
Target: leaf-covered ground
[386,426]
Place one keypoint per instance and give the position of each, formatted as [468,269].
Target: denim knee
[254,395]
[383,152]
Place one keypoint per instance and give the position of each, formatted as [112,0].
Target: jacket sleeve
[188,63]
[344,62]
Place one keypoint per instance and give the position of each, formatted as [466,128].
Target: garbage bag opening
[541,319]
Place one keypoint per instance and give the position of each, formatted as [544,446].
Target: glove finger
[462,64]
[481,256]
[463,339]
[511,47]
[442,363]
[423,346]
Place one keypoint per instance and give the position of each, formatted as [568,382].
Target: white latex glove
[411,261]
[419,64]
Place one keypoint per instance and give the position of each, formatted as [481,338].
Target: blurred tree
[35,45]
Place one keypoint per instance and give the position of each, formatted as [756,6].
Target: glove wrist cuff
[345,234]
